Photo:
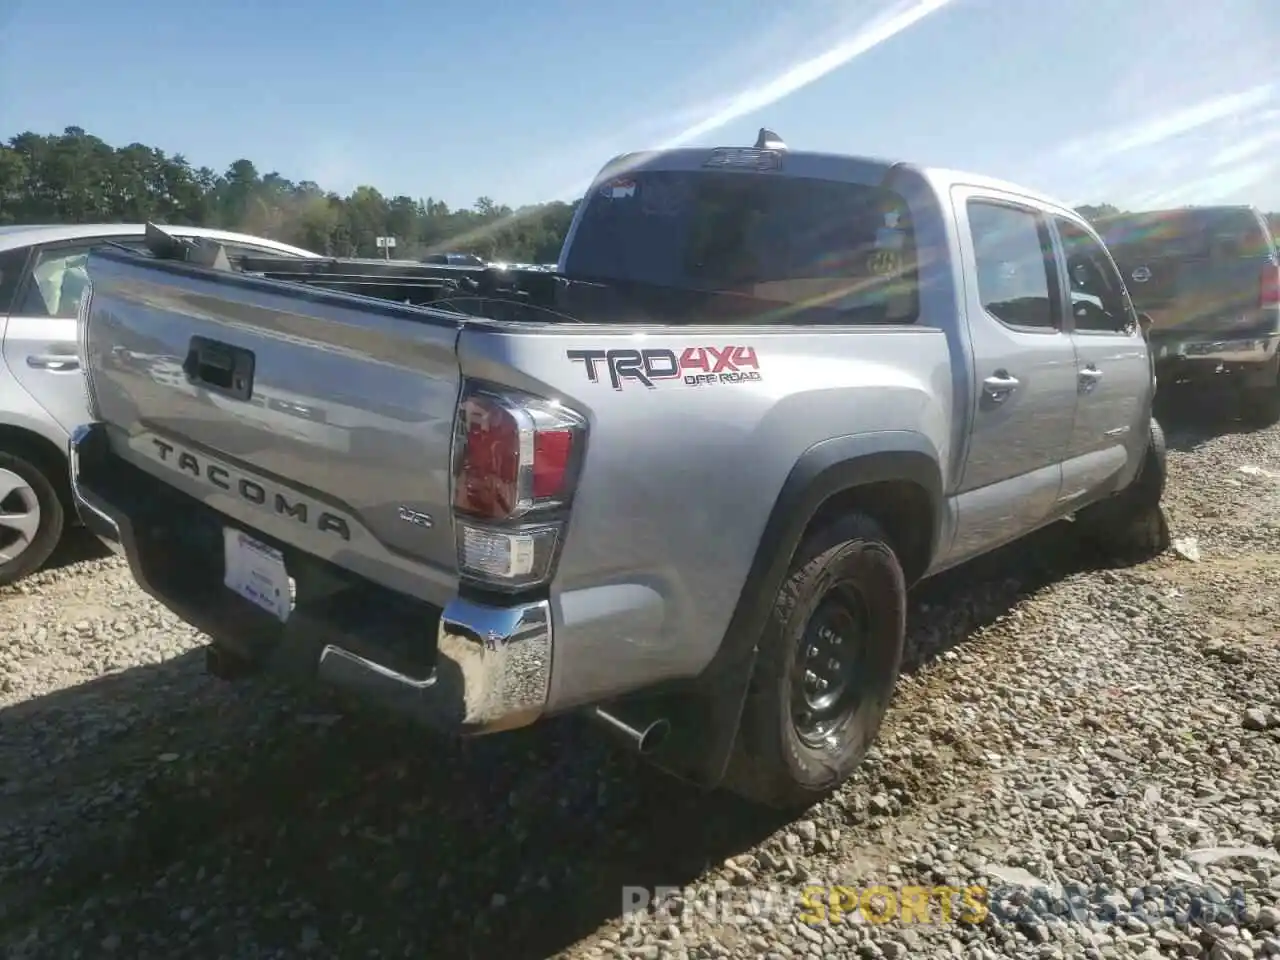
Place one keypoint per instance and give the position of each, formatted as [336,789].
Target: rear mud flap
[704,719]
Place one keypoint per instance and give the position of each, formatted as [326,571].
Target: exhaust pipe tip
[654,736]
[644,739]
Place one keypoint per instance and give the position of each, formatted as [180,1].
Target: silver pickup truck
[777,389]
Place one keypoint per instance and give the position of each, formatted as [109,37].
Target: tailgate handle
[220,367]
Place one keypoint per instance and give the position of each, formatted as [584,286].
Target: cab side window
[57,283]
[1016,272]
[1099,301]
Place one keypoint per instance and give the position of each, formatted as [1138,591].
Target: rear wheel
[1131,523]
[31,517]
[828,664]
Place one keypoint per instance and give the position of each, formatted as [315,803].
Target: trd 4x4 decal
[696,366]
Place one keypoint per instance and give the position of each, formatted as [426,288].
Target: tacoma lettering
[251,491]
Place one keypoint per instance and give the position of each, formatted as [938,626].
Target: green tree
[76,177]
[1097,212]
[13,184]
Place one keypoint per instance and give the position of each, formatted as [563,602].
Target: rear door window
[1215,235]
[1237,235]
[12,263]
[57,284]
[788,249]
[1141,238]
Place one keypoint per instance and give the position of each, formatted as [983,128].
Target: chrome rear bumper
[489,668]
[1256,349]
[492,671]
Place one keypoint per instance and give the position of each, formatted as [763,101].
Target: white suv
[42,280]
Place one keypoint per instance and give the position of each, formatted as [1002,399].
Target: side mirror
[1144,323]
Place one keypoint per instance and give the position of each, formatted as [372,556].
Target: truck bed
[466,289]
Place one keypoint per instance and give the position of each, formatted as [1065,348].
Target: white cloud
[1158,130]
[1250,146]
[801,73]
[795,66]
[1212,151]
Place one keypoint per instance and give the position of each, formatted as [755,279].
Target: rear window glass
[804,250]
[1186,235]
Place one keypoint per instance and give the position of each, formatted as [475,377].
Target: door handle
[53,361]
[999,386]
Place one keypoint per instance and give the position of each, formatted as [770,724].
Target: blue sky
[1140,102]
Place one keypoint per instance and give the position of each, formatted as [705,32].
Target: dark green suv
[1209,280]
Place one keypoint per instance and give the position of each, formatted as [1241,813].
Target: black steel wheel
[827,666]
[827,675]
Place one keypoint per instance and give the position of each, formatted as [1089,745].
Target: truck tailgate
[224,385]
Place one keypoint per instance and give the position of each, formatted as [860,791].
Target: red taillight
[1269,286]
[514,466]
[512,457]
[488,476]
[551,452]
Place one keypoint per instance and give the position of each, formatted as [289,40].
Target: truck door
[1024,370]
[1113,370]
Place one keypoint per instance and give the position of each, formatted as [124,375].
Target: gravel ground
[1097,735]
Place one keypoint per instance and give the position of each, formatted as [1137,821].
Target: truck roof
[819,163]
[943,178]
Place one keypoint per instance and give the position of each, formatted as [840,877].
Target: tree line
[75,177]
